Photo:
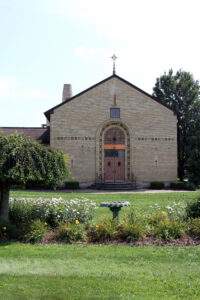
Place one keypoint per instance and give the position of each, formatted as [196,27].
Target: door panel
[119,169]
[114,165]
[109,166]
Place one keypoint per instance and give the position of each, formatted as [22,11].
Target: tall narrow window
[115,112]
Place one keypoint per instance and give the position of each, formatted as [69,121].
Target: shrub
[132,227]
[194,228]
[182,185]
[53,211]
[109,230]
[168,230]
[127,232]
[72,185]
[36,231]
[193,209]
[131,217]
[158,217]
[7,231]
[101,232]
[157,185]
[162,227]
[70,232]
[23,212]
[174,211]
[50,237]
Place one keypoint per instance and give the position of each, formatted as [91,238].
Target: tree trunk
[4,201]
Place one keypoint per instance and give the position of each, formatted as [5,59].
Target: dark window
[114,135]
[114,153]
[115,112]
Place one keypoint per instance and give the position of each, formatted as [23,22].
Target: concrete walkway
[123,192]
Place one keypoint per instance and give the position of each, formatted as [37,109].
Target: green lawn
[99,272]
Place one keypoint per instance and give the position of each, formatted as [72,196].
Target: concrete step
[114,186]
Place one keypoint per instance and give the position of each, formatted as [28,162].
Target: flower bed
[52,211]
[57,220]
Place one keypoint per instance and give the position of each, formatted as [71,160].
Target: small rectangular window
[114,153]
[115,112]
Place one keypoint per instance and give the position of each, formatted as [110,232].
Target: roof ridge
[48,112]
[22,127]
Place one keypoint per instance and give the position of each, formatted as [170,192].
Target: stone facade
[77,127]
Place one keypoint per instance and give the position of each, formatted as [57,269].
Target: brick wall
[76,126]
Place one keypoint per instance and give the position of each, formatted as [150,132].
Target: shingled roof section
[40,134]
[50,111]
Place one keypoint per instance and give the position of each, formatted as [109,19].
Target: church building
[113,133]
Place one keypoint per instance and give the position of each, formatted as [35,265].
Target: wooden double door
[114,166]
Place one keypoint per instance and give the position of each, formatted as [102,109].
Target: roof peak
[48,112]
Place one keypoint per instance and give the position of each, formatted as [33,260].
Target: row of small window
[85,138]
[154,139]
[88,138]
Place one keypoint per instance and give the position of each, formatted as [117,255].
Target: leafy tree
[181,93]
[193,163]
[23,160]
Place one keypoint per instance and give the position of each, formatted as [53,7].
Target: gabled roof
[40,134]
[50,111]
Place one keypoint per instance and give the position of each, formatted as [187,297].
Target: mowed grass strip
[98,272]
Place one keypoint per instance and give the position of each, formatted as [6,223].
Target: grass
[101,271]
[98,272]
[138,201]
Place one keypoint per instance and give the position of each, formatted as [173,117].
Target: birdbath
[115,207]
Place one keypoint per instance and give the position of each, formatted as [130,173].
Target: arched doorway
[114,152]
[106,141]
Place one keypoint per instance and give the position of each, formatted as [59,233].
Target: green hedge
[182,185]
[193,209]
[72,185]
[157,185]
[69,185]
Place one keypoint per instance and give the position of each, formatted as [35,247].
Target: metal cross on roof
[114,57]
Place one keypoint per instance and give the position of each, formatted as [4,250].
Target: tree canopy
[181,93]
[23,160]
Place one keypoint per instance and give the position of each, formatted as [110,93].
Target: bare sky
[45,43]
